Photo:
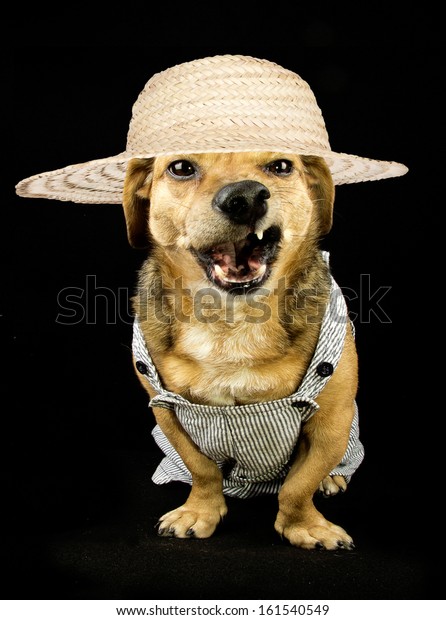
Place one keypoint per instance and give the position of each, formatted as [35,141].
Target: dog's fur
[263,351]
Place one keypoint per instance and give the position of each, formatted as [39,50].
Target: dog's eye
[280,167]
[181,168]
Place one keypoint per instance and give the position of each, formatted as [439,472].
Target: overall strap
[329,346]
[146,367]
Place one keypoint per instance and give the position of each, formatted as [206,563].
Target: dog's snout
[243,202]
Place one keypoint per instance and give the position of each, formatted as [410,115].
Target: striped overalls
[253,444]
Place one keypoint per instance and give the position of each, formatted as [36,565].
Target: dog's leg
[205,506]
[321,447]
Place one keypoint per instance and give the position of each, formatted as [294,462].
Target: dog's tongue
[226,257]
[233,260]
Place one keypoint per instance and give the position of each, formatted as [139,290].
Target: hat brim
[101,181]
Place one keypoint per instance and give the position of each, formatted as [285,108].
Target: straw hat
[218,104]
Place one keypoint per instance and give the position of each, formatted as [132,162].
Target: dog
[241,335]
[230,303]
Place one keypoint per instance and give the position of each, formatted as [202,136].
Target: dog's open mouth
[244,264]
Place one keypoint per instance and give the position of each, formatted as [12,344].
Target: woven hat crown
[218,104]
[225,101]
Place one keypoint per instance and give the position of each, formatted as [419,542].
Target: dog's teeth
[234,279]
[259,234]
[219,271]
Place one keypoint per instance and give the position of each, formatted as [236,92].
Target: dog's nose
[243,202]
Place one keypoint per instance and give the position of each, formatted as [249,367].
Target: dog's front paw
[314,532]
[192,520]
[332,485]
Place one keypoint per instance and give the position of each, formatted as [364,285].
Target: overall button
[324,369]
[141,367]
[300,404]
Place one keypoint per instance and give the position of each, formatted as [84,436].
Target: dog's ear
[321,188]
[136,201]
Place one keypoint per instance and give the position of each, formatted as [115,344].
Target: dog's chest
[243,364]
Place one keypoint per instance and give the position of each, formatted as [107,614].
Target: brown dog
[239,232]
[241,335]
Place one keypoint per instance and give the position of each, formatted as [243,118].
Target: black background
[79,503]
